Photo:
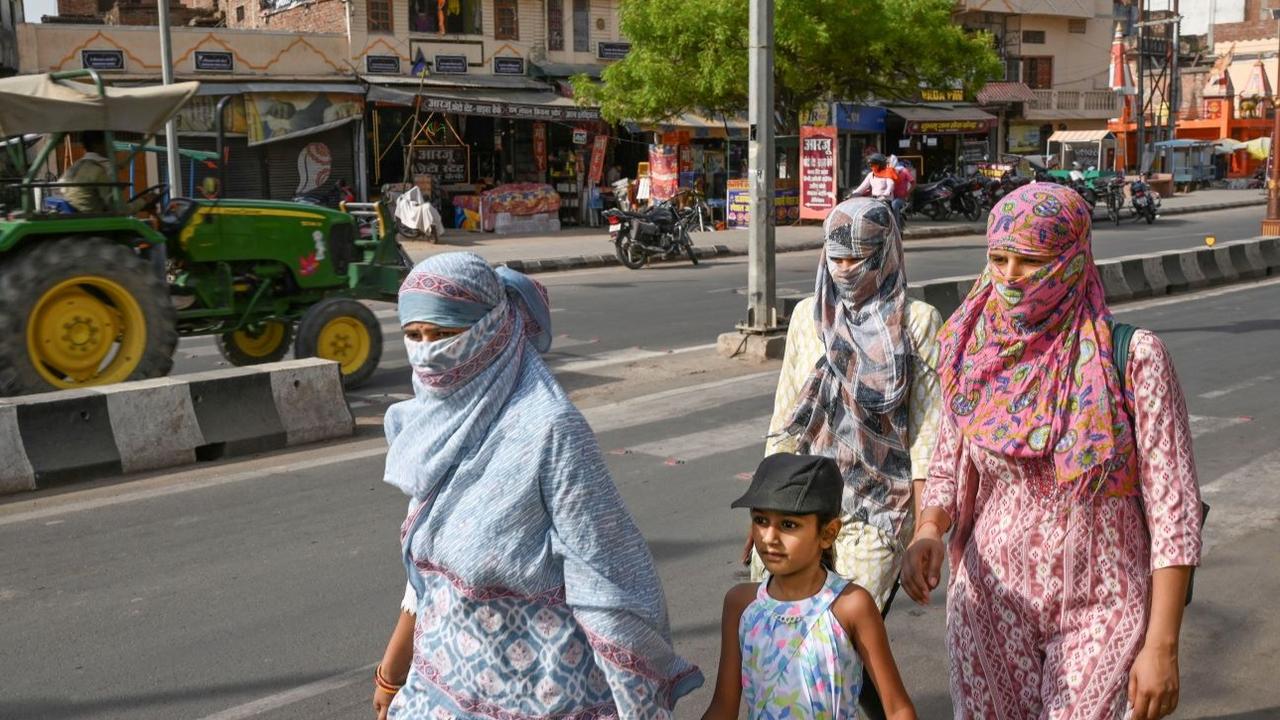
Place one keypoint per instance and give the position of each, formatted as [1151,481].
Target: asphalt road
[613,313]
[265,588]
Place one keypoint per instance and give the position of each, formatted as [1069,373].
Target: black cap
[796,484]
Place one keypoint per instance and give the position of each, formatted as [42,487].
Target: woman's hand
[1153,683]
[381,701]
[922,565]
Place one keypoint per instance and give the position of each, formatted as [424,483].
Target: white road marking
[1243,501]
[1243,385]
[298,694]
[698,445]
[583,363]
[679,402]
[1203,425]
[1192,296]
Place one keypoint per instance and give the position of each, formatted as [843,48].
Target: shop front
[468,141]
[938,137]
[860,128]
[709,152]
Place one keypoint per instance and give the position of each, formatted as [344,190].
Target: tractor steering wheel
[159,189]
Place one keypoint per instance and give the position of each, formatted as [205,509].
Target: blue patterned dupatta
[537,595]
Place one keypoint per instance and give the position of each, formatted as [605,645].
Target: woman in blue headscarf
[531,592]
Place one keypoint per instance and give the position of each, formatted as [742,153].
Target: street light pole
[1271,225]
[761,273]
[173,162]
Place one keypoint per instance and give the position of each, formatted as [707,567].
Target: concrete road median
[74,435]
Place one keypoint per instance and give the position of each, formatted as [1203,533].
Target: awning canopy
[240,88]
[1081,136]
[942,119]
[517,104]
[457,82]
[995,93]
[697,126]
[40,104]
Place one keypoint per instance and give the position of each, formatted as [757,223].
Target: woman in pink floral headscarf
[1070,505]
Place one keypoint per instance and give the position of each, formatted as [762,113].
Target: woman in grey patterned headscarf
[858,385]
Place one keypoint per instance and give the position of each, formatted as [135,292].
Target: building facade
[11,16]
[1058,50]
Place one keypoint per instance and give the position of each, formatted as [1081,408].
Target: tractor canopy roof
[52,104]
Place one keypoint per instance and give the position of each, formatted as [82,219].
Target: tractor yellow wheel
[345,331]
[86,329]
[263,342]
[82,311]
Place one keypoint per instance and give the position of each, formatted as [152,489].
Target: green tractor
[97,296]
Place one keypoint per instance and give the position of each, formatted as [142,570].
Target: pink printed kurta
[1047,605]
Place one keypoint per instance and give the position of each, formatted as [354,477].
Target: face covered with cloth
[1027,367]
[853,408]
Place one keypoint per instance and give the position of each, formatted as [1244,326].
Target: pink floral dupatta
[1027,367]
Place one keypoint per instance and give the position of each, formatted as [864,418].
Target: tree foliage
[692,55]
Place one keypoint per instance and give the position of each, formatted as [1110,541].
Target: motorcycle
[933,200]
[970,197]
[661,231]
[1144,201]
[1113,196]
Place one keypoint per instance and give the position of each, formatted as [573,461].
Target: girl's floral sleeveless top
[797,660]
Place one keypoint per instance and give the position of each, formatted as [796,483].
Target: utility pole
[761,273]
[760,337]
[1271,224]
[1174,98]
[173,162]
[1142,93]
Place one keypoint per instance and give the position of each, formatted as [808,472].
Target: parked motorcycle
[660,231]
[1144,201]
[1113,196]
[933,200]
[970,197]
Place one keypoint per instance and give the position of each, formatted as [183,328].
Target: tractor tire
[266,343]
[343,330]
[82,311]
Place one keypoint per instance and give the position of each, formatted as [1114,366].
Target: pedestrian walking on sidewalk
[793,645]
[858,385]
[531,592]
[1073,508]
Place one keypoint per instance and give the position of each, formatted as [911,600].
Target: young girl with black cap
[794,644]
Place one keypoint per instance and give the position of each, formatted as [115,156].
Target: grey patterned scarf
[853,406]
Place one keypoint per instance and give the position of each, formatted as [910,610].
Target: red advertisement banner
[597,159]
[664,172]
[540,146]
[817,172]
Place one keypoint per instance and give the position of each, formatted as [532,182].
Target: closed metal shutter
[299,165]
[244,166]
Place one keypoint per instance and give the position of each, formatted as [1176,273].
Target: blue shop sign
[860,118]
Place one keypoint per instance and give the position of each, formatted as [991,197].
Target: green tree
[692,55]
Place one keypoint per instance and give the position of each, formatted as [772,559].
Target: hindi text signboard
[449,164]
[817,171]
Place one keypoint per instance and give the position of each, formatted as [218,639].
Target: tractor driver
[90,170]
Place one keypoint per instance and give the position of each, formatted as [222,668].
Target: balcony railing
[1085,102]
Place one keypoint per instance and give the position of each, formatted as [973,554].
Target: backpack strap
[1121,337]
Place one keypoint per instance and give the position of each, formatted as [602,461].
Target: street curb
[72,435]
[1135,277]
[582,262]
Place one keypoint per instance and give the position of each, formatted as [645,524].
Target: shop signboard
[817,171]
[738,203]
[200,115]
[941,95]
[612,50]
[597,159]
[540,146]
[508,66]
[852,118]
[1085,154]
[1024,138]
[207,61]
[664,172]
[382,64]
[786,203]
[515,111]
[579,136]
[275,116]
[450,65]
[973,151]
[449,164]
[947,127]
[102,59]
